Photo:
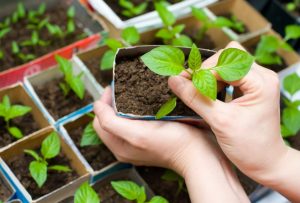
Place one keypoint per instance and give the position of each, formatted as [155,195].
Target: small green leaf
[34,37]
[33,154]
[60,168]
[292,32]
[107,60]
[113,44]
[165,15]
[86,194]
[90,137]
[65,88]
[164,60]
[164,34]
[291,83]
[291,119]
[291,6]
[199,14]
[182,40]
[142,195]
[65,66]
[206,83]
[70,26]
[21,10]
[15,132]
[41,9]
[178,29]
[158,199]
[4,31]
[233,64]
[77,85]
[195,60]
[285,132]
[170,175]
[71,12]
[166,108]
[38,171]
[126,4]
[127,189]
[51,146]
[15,47]
[17,111]
[141,8]
[131,35]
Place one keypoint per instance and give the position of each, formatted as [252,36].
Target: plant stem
[191,74]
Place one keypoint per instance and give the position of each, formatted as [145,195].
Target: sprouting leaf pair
[233,64]
[90,136]
[130,10]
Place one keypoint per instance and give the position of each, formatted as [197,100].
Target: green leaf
[178,29]
[77,85]
[17,111]
[90,137]
[86,194]
[141,8]
[158,199]
[291,6]
[170,175]
[113,44]
[223,22]
[34,37]
[60,168]
[206,83]
[65,67]
[15,132]
[70,26]
[71,12]
[127,189]
[164,34]
[33,154]
[107,60]
[38,171]
[292,32]
[4,31]
[51,146]
[65,88]
[15,47]
[164,60]
[233,64]
[195,60]
[166,108]
[165,15]
[42,8]
[291,119]
[142,195]
[291,83]
[268,58]
[200,14]
[182,40]
[21,10]
[285,132]
[126,4]
[131,35]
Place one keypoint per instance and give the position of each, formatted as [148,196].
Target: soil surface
[295,141]
[109,195]
[25,123]
[114,5]
[19,34]
[97,156]
[231,16]
[5,193]
[139,91]
[20,164]
[166,189]
[205,43]
[56,103]
[103,77]
[248,184]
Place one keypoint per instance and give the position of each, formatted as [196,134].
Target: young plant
[171,33]
[38,26]
[269,45]
[70,22]
[86,194]
[20,13]
[90,137]
[33,16]
[55,30]
[35,41]
[9,112]
[133,192]
[1,54]
[170,175]
[39,167]
[233,64]
[4,32]
[130,10]
[15,49]
[71,82]
[292,6]
[219,22]
[129,36]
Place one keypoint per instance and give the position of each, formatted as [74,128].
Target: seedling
[90,137]
[174,177]
[71,23]
[34,41]
[1,54]
[4,32]
[9,112]
[20,13]
[41,24]
[233,64]
[71,82]
[129,37]
[130,10]
[171,33]
[219,22]
[290,121]
[39,167]
[292,6]
[55,30]
[33,16]
[86,194]
[133,192]
[16,51]
[269,45]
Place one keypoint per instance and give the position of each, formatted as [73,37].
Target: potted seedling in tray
[147,96]
[43,166]
[19,116]
[61,90]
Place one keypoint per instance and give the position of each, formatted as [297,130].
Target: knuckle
[139,141]
[105,123]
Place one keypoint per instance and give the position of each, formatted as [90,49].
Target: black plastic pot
[259,4]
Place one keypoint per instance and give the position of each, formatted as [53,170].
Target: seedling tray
[7,191]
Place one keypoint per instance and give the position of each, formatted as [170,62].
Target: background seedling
[233,64]
[9,112]
[130,10]
[133,192]
[1,54]
[39,167]
[269,45]
[171,33]
[90,137]
[86,194]
[292,6]
[129,37]
[71,23]
[71,82]
[174,177]
[35,41]
[4,31]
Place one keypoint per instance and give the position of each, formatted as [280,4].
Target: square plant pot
[58,185]
[254,26]
[7,191]
[15,71]
[30,123]
[108,9]
[140,97]
[44,89]
[105,191]
[98,158]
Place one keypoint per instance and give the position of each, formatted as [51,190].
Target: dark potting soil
[109,195]
[103,77]
[139,91]
[56,103]
[205,43]
[248,184]
[97,156]
[296,12]
[295,141]
[5,193]
[20,164]
[19,33]
[166,189]
[230,16]
[25,123]
[114,5]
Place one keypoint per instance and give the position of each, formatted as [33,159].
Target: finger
[107,95]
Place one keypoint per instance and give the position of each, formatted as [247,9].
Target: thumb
[202,105]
